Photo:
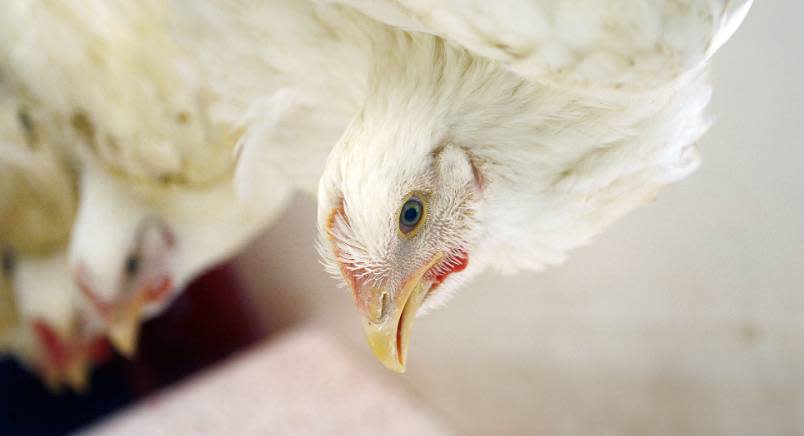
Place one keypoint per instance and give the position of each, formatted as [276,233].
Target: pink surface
[302,383]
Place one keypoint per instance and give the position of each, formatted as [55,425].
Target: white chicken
[42,320]
[193,125]
[504,135]
[507,135]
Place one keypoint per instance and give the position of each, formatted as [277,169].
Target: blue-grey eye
[411,215]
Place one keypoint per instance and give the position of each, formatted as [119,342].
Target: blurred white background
[686,317]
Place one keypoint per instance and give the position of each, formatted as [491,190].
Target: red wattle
[460,265]
[159,290]
[57,352]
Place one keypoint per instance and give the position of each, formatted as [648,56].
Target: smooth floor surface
[303,382]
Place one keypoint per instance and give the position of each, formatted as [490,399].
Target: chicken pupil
[8,261]
[410,215]
[132,265]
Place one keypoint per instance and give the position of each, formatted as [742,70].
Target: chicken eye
[411,215]
[9,260]
[132,265]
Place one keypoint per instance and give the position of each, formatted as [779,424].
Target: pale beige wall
[686,317]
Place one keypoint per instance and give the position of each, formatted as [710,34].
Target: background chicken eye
[8,261]
[410,215]
[132,266]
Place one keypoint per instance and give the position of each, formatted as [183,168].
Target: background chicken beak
[124,327]
[52,379]
[388,329]
[76,374]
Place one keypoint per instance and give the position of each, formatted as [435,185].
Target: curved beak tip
[384,344]
[124,336]
[389,334]
[77,376]
[124,328]
[52,381]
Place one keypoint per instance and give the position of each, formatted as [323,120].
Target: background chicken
[42,320]
[138,96]
[462,158]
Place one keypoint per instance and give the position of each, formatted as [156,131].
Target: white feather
[594,44]
[38,201]
[576,113]
[253,72]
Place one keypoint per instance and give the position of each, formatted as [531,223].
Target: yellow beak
[388,324]
[53,380]
[76,374]
[124,326]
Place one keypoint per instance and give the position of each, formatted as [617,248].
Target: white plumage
[582,44]
[153,107]
[42,320]
[521,131]
[118,95]
[514,131]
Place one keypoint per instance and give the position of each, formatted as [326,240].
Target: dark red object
[56,350]
[212,319]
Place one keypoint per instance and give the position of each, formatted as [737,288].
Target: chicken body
[505,137]
[192,124]
[43,322]
[467,135]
